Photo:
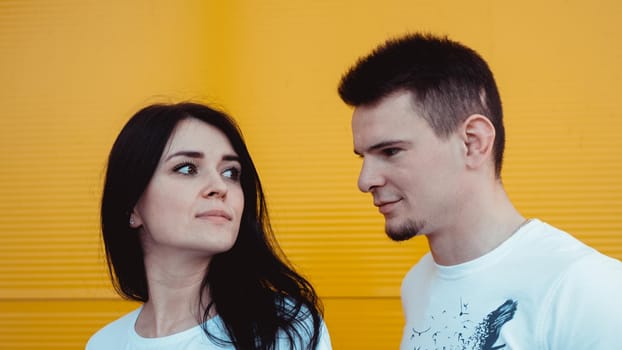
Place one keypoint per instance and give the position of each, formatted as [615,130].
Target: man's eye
[232,173]
[390,151]
[186,169]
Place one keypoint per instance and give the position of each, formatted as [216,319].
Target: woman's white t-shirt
[121,335]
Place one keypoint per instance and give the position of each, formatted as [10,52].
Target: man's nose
[370,176]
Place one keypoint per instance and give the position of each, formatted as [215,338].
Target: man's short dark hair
[448,82]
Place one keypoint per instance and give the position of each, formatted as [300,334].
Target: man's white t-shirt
[540,289]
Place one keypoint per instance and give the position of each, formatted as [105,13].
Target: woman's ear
[479,139]
[135,220]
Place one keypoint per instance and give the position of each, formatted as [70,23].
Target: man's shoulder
[596,268]
[115,334]
[555,243]
[541,242]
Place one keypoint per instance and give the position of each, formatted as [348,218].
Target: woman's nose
[215,186]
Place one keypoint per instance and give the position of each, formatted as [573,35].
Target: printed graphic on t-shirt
[457,331]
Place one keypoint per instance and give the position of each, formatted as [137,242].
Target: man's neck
[481,228]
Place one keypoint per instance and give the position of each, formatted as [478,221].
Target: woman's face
[194,201]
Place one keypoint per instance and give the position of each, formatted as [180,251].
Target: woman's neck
[173,305]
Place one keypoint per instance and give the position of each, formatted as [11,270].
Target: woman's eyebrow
[197,154]
[231,157]
[189,154]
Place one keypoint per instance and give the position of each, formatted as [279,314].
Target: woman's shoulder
[115,334]
[304,327]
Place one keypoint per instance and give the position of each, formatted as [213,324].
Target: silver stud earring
[131,221]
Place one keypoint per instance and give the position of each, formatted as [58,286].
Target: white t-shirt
[540,289]
[121,335]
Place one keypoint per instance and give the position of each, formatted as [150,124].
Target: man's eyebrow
[378,146]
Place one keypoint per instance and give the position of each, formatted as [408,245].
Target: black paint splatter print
[458,332]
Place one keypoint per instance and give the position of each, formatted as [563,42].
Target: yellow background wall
[72,72]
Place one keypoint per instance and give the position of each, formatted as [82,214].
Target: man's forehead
[380,134]
[397,103]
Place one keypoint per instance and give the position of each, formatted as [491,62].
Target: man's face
[412,174]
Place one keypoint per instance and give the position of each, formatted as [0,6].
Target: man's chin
[400,236]
[403,232]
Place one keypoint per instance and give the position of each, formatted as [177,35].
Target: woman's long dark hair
[254,290]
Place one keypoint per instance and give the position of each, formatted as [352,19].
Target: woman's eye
[232,173]
[186,169]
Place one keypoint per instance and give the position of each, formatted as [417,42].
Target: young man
[428,125]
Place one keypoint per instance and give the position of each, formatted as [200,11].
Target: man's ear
[479,139]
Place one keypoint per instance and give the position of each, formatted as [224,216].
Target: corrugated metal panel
[55,324]
[365,323]
[73,71]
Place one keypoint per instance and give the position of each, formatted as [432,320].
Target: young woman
[186,232]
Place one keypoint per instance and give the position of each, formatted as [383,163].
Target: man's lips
[385,207]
